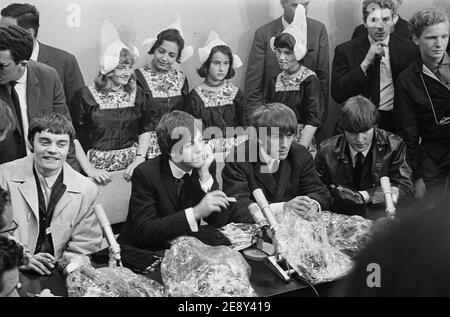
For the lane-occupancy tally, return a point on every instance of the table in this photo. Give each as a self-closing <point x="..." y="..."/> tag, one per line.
<point x="265" y="282"/>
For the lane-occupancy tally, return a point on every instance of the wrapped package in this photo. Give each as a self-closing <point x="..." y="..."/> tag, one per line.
<point x="304" y="244"/>
<point x="193" y="269"/>
<point x="82" y="280"/>
<point x="348" y="234"/>
<point x="240" y="234"/>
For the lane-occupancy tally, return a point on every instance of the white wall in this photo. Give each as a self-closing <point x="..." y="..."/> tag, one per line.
<point x="235" y="21"/>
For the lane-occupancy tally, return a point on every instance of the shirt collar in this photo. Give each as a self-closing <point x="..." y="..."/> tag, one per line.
<point x="23" y="79"/>
<point x="177" y="172"/>
<point x="35" y="54"/>
<point x="353" y="152"/>
<point x="432" y="68"/>
<point x="272" y="164"/>
<point x="284" y="22"/>
<point x="49" y="181"/>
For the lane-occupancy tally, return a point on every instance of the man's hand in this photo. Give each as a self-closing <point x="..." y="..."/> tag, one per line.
<point x="41" y="263"/>
<point x="101" y="177"/>
<point x="374" y="50"/>
<point x="209" y="158"/>
<point x="301" y="205"/>
<point x="130" y="169"/>
<point x="347" y="194"/>
<point x="420" y="189"/>
<point x="211" y="202"/>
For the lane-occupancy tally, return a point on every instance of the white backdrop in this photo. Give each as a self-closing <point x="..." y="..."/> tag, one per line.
<point x="75" y="25"/>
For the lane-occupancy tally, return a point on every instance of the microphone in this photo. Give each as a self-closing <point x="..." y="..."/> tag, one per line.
<point x="109" y="235"/>
<point x="386" y="186"/>
<point x="265" y="207"/>
<point x="258" y="216"/>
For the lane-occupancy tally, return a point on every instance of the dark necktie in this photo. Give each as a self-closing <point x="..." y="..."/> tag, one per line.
<point x="375" y="81"/>
<point x="180" y="183"/>
<point x="357" y="170"/>
<point x="16" y="104"/>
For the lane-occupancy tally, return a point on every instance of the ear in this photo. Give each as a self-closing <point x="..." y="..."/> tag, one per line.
<point x="416" y="39"/>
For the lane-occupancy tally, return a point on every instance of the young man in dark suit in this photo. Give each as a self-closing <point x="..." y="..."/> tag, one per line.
<point x="174" y="191"/>
<point x="27" y="16"/>
<point x="370" y="65"/>
<point x="30" y="89"/>
<point x="351" y="164"/>
<point x="272" y="162"/>
<point x="402" y="27"/>
<point x="262" y="62"/>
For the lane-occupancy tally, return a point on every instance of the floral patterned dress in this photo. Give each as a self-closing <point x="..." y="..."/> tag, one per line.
<point x="303" y="95"/>
<point x="108" y="125"/>
<point x="165" y="91"/>
<point x="219" y="109"/>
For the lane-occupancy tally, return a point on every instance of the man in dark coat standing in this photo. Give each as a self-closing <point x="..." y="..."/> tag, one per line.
<point x="370" y="65"/>
<point x="27" y="16"/>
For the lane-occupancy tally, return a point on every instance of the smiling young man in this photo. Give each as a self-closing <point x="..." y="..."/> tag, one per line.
<point x="351" y="164"/>
<point x="370" y="65"/>
<point x="423" y="103"/>
<point x="283" y="169"/>
<point x="51" y="203"/>
<point x="174" y="191"/>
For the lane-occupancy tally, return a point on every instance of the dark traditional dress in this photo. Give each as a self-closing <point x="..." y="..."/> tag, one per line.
<point x="165" y="91"/>
<point x="108" y="125"/>
<point x="302" y="94"/>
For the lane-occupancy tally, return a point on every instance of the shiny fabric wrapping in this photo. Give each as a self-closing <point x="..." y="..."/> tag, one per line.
<point x="193" y="269"/>
<point x="304" y="244"/>
<point x="348" y="234"/>
<point x="83" y="280"/>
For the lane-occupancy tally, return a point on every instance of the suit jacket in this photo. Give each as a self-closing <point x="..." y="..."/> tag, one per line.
<point x="402" y="29"/>
<point x="348" y="78"/>
<point x="388" y="152"/>
<point x="74" y="227"/>
<point x="156" y="215"/>
<point x="67" y="67"/>
<point x="45" y="95"/>
<point x="263" y="64"/>
<point x="296" y="176"/>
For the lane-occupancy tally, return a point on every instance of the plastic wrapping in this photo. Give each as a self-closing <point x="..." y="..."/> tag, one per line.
<point x="193" y="269"/>
<point x="304" y="244"/>
<point x="240" y="234"/>
<point x="82" y="280"/>
<point x="348" y="234"/>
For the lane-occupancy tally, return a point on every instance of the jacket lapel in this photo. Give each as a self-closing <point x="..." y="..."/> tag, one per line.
<point x="72" y="188"/>
<point x="283" y="180"/>
<point x="43" y="54"/>
<point x="394" y="50"/>
<point x="28" y="190"/>
<point x="33" y="94"/>
<point x="169" y="182"/>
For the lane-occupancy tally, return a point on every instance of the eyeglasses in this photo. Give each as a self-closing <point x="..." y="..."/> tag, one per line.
<point x="13" y="227"/>
<point x="444" y="120"/>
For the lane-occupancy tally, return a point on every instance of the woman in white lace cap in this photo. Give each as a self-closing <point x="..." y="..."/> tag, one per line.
<point x="297" y="86"/>
<point x="165" y="87"/>
<point x="108" y="115"/>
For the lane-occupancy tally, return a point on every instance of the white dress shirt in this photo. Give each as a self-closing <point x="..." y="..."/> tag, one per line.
<point x="178" y="173"/>
<point x="35" y="54"/>
<point x="386" y="80"/>
<point x="47" y="184"/>
<point x="21" y="90"/>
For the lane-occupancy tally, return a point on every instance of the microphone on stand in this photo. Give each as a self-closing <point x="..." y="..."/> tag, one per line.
<point x="265" y="207"/>
<point x="387" y="190"/>
<point x="114" y="247"/>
